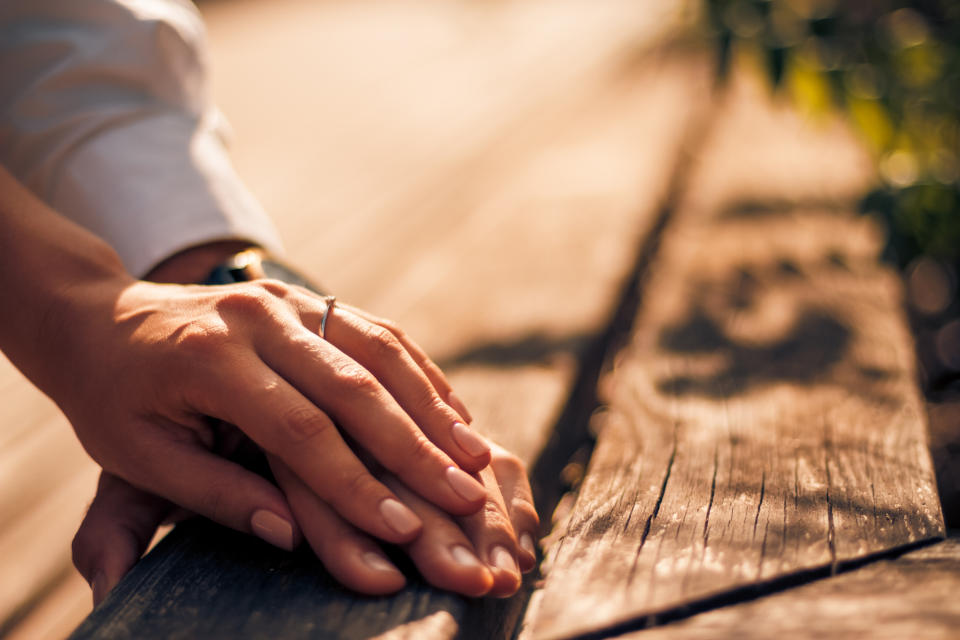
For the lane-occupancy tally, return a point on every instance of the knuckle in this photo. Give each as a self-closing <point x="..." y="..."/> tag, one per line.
<point x="521" y="508"/>
<point x="384" y="343"/>
<point x="505" y="462"/>
<point x="495" y="520"/>
<point x="361" y="485"/>
<point x="300" y="424"/>
<point x="275" y="288"/>
<point x="421" y="451"/>
<point x="203" y="337"/>
<point x="210" y="501"/>
<point x="247" y="299"/>
<point x="392" y="327"/>
<point x="351" y="376"/>
<point x="428" y="402"/>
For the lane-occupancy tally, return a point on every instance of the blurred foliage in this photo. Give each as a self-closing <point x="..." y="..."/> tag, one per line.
<point x="894" y="69"/>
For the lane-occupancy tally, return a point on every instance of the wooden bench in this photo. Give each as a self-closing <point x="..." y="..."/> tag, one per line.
<point x="655" y="291"/>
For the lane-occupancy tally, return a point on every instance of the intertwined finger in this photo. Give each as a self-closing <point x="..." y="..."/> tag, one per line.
<point x="357" y="403"/>
<point x="514" y="486"/>
<point x="493" y="535"/>
<point x="208" y="484"/>
<point x="291" y="427"/>
<point x="353" y="558"/>
<point x="444" y="553"/>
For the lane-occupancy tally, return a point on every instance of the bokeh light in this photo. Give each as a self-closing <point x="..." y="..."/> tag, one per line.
<point x="894" y="69"/>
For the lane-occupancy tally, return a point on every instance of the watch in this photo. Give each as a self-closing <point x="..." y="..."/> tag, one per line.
<point x="253" y="264"/>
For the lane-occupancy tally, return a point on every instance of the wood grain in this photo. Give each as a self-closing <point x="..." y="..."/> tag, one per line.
<point x="516" y="401"/>
<point x="912" y="596"/>
<point x="765" y="418"/>
<point x="506" y="268"/>
<point x="380" y="137"/>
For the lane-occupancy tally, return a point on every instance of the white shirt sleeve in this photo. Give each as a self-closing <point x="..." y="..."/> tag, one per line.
<point x="104" y="113"/>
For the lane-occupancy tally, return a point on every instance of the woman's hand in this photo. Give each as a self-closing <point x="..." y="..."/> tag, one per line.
<point x="167" y="359"/>
<point x="473" y="555"/>
<point x="479" y="554"/>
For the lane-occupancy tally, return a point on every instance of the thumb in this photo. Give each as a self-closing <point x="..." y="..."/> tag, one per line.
<point x="115" y="532"/>
<point x="219" y="489"/>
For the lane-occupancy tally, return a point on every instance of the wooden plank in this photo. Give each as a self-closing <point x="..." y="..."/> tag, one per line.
<point x="764" y="418"/>
<point x="516" y="403"/>
<point x="485" y="253"/>
<point x="912" y="596"/>
<point x="367" y="117"/>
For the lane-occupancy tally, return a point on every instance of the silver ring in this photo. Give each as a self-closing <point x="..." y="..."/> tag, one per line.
<point x="331" y="302"/>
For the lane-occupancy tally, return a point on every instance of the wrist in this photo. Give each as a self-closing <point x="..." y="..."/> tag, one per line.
<point x="194" y="264"/>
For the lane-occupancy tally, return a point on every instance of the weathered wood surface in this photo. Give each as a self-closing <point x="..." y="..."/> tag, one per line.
<point x="390" y="140"/>
<point x="912" y="596"/>
<point x="518" y="253"/>
<point x="764" y="419"/>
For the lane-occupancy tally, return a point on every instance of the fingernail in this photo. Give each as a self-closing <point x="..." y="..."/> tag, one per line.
<point x="503" y="560"/>
<point x="99" y="586"/>
<point x="463" y="556"/>
<point x="399" y="517"/>
<point x="469" y="440"/>
<point x="272" y="528"/>
<point x="526" y="543"/>
<point x="454" y="401"/>
<point x="465" y="486"/>
<point x="377" y="562"/>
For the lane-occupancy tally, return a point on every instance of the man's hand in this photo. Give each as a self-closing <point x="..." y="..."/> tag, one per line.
<point x="168" y="358"/>
<point x="473" y="555"/>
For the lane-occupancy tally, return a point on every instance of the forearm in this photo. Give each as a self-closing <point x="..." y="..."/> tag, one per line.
<point x="47" y="266"/>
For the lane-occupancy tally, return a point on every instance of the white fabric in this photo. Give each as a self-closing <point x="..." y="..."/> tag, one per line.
<point x="104" y="113"/>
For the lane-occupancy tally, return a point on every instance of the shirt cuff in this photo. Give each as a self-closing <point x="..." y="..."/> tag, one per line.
<point x="157" y="185"/>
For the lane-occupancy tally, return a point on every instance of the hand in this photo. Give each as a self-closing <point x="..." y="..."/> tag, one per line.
<point x="166" y="359"/>
<point x="123" y="519"/>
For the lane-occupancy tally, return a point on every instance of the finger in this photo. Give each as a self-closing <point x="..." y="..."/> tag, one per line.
<point x="381" y="353"/>
<point x="358" y="404"/>
<point x="429" y="367"/>
<point x="285" y="423"/>
<point x="514" y="485"/>
<point x="492" y="534"/>
<point x="210" y="485"/>
<point x="351" y="557"/>
<point x="443" y="553"/>
<point x="116" y="530"/>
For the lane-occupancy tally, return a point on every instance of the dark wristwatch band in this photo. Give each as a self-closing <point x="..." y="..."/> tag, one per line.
<point x="253" y="264"/>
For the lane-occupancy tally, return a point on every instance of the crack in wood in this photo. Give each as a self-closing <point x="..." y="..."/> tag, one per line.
<point x="831" y="530"/>
<point x="713" y="492"/>
<point x="796" y="482"/>
<point x="656" y="508"/>
<point x="763" y="489"/>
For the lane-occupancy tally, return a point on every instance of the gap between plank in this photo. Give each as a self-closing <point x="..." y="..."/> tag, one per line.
<point x="571" y="433"/>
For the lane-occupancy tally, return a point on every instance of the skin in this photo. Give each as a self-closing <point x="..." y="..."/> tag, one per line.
<point x="122" y="520"/>
<point x="360" y="427"/>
